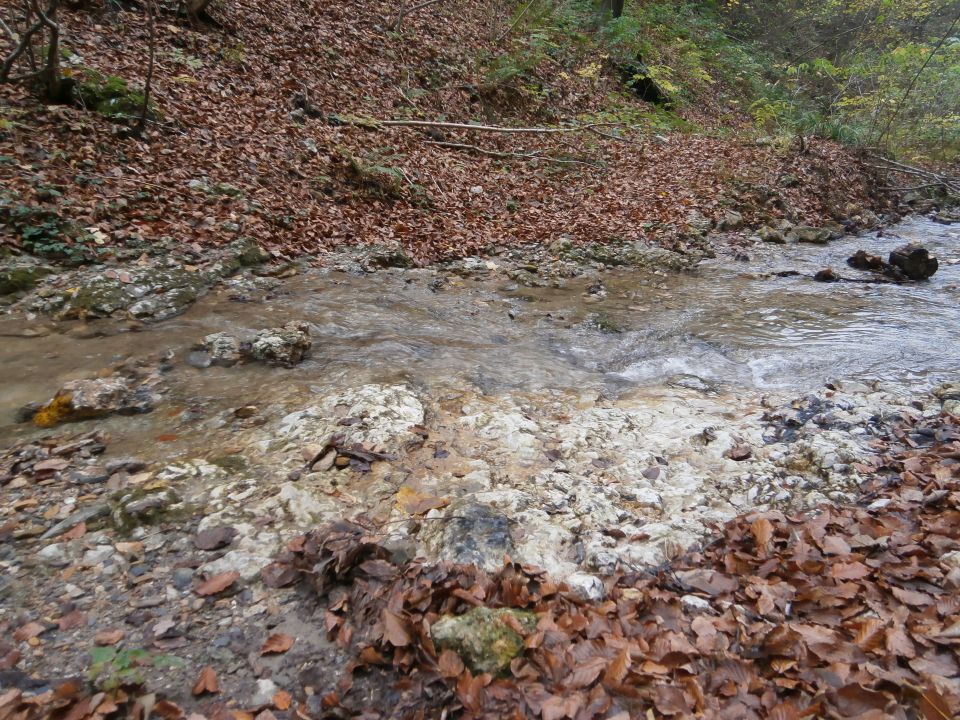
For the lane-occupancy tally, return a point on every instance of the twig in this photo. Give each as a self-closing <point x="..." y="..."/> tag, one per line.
<point x="516" y="22"/>
<point x="404" y="12"/>
<point x="501" y="154"/>
<point x="152" y="26"/>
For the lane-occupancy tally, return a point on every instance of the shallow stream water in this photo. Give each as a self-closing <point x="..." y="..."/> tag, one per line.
<point x="731" y="325"/>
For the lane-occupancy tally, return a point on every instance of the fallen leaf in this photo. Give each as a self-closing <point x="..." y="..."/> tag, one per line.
<point x="395" y="630"/>
<point x="217" y="584"/>
<point x="206" y="682"/>
<point x="282" y="700"/>
<point x="450" y="664"/>
<point x="108" y="637"/>
<point x="277" y="643"/>
<point x="29" y="631"/>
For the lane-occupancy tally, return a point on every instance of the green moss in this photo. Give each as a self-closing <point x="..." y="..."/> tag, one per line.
<point x="230" y="463"/>
<point x="14" y="280"/>
<point x="112" y="97"/>
<point x="482" y="638"/>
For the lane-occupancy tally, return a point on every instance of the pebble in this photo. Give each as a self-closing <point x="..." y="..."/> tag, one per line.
<point x="266" y="689"/>
<point x="97" y="555"/>
<point x="54" y="554"/>
<point x="182" y="578"/>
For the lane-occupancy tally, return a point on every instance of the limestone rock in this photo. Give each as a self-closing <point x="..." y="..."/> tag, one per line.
<point x="383" y="418"/>
<point x="469" y="533"/>
<point x="285" y="345"/>
<point x="223" y="349"/>
<point x="98" y="397"/>
<point x="772" y="235"/>
<point x="482" y="639"/>
<point x="807" y="234"/>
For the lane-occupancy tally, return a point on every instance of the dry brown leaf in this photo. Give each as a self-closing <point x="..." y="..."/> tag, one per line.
<point x="282" y="700"/>
<point x="450" y="664"/>
<point x="206" y="682"/>
<point x="276" y="644"/>
<point x="394" y="629"/>
<point x="108" y="637"/>
<point x="217" y="583"/>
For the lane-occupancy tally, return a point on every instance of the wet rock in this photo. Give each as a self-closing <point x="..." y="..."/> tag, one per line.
<point x="772" y="235"/>
<point x="914" y="261"/>
<point x="222" y="349"/>
<point x="730" y="222"/>
<point x="947" y="391"/>
<point x="951" y="407"/>
<point x="482" y="638"/>
<point x="862" y="260"/>
<point x="808" y="234"/>
<point x="638" y="255"/>
<point x="98" y="397"/>
<point x="285" y="345"/>
<point x="469" y="533"/>
<point x="827" y="275"/>
<point x="388" y="256"/>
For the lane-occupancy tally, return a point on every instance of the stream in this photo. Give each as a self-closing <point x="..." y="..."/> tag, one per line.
<point x="613" y="399"/>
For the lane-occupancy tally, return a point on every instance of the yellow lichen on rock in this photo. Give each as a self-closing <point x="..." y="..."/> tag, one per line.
<point x="55" y="412"/>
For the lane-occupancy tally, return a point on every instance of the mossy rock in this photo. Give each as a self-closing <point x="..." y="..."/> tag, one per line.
<point x="20" y="279"/>
<point x="634" y="255"/>
<point x="249" y="252"/>
<point x="112" y="97"/>
<point x="483" y="639"/>
<point x="146" y="505"/>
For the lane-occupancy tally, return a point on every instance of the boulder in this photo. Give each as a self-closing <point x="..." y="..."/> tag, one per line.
<point x="914" y="261"/>
<point x="772" y="235"/>
<point x="808" y="234"/>
<point x="731" y="221"/>
<point x="484" y="638"/>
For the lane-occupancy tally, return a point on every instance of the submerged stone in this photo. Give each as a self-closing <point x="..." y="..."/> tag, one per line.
<point x="484" y="638"/>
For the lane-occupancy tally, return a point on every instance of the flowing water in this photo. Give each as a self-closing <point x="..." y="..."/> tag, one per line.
<point x="730" y="326"/>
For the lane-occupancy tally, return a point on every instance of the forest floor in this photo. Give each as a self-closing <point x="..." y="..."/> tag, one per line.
<point x="269" y="138"/>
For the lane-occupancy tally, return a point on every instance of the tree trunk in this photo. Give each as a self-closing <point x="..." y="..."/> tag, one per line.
<point x="611" y="8"/>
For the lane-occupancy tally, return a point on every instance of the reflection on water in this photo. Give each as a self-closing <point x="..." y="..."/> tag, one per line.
<point x="729" y="323"/>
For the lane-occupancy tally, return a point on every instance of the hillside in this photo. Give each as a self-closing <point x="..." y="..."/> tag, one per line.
<point x="264" y="129"/>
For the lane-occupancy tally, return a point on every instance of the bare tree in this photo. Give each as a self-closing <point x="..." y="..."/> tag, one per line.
<point x="43" y="21"/>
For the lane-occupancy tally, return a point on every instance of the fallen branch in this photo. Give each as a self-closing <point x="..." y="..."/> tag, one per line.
<point x="488" y="128"/>
<point x="501" y="154"/>
<point x="404" y="12"/>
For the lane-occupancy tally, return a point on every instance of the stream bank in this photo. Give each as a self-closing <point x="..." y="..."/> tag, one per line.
<point x="588" y="425"/>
